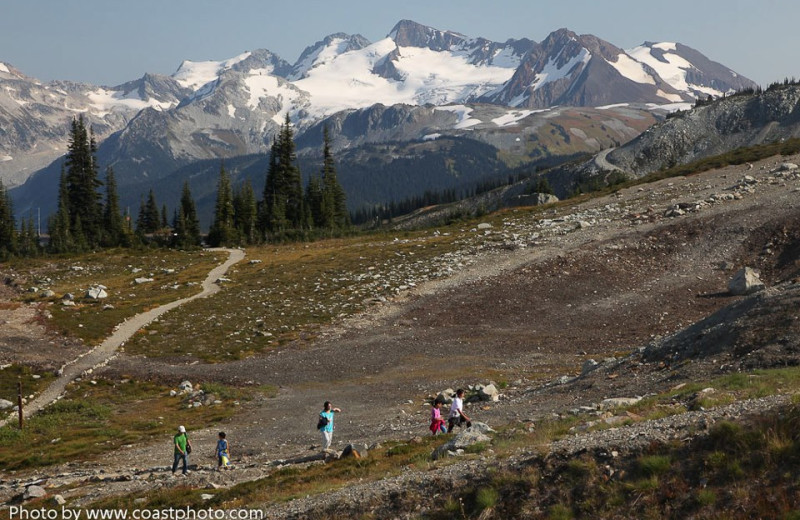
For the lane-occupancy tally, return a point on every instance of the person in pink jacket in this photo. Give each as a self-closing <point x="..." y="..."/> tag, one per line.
<point x="437" y="421"/>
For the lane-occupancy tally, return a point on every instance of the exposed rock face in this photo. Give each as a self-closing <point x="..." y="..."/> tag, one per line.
<point x="743" y="120"/>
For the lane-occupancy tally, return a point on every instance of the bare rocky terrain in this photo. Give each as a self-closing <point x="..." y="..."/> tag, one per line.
<point x="637" y="281"/>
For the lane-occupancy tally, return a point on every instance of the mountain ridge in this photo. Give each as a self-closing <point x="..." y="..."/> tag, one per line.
<point x="222" y="109"/>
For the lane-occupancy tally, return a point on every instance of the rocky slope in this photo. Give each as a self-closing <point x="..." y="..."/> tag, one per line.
<point x="713" y="129"/>
<point x="625" y="280"/>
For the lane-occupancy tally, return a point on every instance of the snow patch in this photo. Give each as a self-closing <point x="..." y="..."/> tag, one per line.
<point x="431" y="137"/>
<point x="3" y="68"/>
<point x="632" y="69"/>
<point x="666" y="46"/>
<point x="674" y="70"/>
<point x="231" y="111"/>
<point x="552" y="72"/>
<point x="427" y="77"/>
<point x="105" y="101"/>
<point x="196" y="74"/>
<point x="675" y="98"/>
<point x="463" y="113"/>
<point x="320" y="56"/>
<point x="506" y="58"/>
<point x="6" y="158"/>
<point x="670" y="107"/>
<point x="514" y="117"/>
<point x="616" y="105"/>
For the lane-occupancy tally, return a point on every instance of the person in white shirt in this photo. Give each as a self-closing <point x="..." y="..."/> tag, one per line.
<point x="457" y="417"/>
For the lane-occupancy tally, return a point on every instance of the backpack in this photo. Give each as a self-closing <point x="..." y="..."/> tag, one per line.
<point x="323" y="422"/>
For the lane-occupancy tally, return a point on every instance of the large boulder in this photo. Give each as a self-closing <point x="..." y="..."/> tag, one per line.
<point x="488" y="393"/>
<point x="463" y="440"/>
<point x="446" y="396"/>
<point x="745" y="281"/>
<point x="96" y="292"/>
<point x="34" y="492"/>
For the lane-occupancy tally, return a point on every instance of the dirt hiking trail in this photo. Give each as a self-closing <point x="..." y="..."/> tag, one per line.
<point x="106" y="351"/>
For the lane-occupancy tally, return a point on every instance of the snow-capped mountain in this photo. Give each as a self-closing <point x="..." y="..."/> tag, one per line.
<point x="35" y="117"/>
<point x="416" y="84"/>
<point x="583" y="70"/>
<point x="219" y="108"/>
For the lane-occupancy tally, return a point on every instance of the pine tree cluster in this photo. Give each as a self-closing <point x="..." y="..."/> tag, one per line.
<point x="285" y="211"/>
<point x="84" y="221"/>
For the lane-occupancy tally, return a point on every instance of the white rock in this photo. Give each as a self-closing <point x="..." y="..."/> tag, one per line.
<point x="96" y="293"/>
<point x="34" y="492"/>
<point x="745" y="281"/>
<point x="616" y="402"/>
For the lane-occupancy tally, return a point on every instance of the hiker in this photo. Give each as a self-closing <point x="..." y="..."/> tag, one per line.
<point x="437" y="422"/>
<point x="223" y="453"/>
<point x="183" y="447"/>
<point x="457" y="417"/>
<point x="325" y="424"/>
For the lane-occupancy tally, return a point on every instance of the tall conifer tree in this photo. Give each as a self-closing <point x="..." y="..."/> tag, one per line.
<point x="245" y="213"/>
<point x="8" y="232"/>
<point x="61" y="240"/>
<point x="192" y="225"/>
<point x="283" y="191"/>
<point x="82" y="185"/>
<point x="334" y="200"/>
<point x="113" y="224"/>
<point x="222" y="231"/>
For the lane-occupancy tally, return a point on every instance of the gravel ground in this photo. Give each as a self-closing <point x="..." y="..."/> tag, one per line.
<point x="533" y="301"/>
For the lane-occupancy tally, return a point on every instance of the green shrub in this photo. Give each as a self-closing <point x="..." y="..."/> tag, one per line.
<point x="654" y="465"/>
<point x="706" y="497"/>
<point x="559" y="512"/>
<point x="486" y="498"/>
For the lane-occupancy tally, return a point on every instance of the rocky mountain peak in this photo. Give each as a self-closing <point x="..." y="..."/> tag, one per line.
<point x="9" y="72"/>
<point x="341" y="43"/>
<point x="408" y="33"/>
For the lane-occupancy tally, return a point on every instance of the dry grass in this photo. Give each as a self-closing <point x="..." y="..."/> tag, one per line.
<point x="289" y="291"/>
<point x="175" y="274"/>
<point x="99" y="416"/>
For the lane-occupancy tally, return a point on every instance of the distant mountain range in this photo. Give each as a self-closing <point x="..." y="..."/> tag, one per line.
<point x="419" y="84"/>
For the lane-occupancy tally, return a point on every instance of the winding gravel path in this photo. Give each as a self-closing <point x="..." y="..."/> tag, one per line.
<point x="104" y="352"/>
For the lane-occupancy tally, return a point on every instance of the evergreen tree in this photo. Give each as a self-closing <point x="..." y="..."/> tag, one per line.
<point x="179" y="238"/>
<point x="61" y="240"/>
<point x="152" y="217"/>
<point x="164" y="222"/>
<point x="8" y="233"/>
<point x="315" y="202"/>
<point x="28" y="241"/>
<point x="82" y="184"/>
<point x="245" y="213"/>
<point x="292" y="180"/>
<point x="334" y="200"/>
<point x="223" y="231"/>
<point x="114" y="233"/>
<point x="283" y="191"/>
<point x="273" y="209"/>
<point x="191" y="233"/>
<point x="80" y="242"/>
<point x="543" y="186"/>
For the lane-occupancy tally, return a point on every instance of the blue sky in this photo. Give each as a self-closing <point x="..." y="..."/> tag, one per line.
<point x="109" y="42"/>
